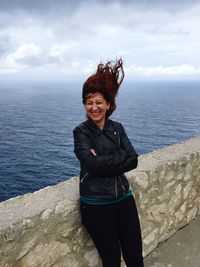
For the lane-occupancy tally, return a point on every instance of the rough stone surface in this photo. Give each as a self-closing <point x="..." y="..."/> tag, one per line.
<point x="43" y="228"/>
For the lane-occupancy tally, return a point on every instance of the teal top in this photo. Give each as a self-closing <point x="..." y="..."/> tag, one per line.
<point x="99" y="201"/>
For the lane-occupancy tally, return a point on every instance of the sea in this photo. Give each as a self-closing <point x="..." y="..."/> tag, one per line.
<point x="37" y="120"/>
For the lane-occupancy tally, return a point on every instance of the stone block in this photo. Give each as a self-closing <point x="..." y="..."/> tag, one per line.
<point x="142" y="180"/>
<point x="44" y="255"/>
<point x="92" y="258"/>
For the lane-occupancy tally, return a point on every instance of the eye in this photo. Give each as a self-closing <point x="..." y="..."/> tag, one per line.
<point x="88" y="103"/>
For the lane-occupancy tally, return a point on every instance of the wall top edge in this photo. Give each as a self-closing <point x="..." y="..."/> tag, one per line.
<point x="166" y="154"/>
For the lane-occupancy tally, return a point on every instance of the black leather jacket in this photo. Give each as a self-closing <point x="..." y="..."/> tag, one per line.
<point x="102" y="176"/>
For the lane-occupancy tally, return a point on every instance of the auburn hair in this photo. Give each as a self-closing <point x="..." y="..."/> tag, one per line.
<point x="106" y="80"/>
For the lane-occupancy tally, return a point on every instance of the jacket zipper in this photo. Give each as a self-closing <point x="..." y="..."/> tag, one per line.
<point x="84" y="176"/>
<point x="122" y="185"/>
<point x="119" y="142"/>
<point x="116" y="187"/>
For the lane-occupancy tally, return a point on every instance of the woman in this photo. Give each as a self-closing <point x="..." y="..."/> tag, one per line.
<point x="107" y="205"/>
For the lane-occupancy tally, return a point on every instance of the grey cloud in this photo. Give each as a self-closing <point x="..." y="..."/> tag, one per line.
<point x="61" y="7"/>
<point x="59" y="14"/>
<point x="38" y="6"/>
<point x="31" y="61"/>
<point x="16" y="12"/>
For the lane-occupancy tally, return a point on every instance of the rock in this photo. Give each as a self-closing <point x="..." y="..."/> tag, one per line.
<point x="187" y="190"/>
<point x="191" y="214"/>
<point x="150" y="238"/>
<point x="142" y="180"/>
<point x="72" y="259"/>
<point x="46" y="214"/>
<point x="26" y="248"/>
<point x="92" y="258"/>
<point x="44" y="255"/>
<point x="155" y="213"/>
<point x="28" y="224"/>
<point x="178" y="190"/>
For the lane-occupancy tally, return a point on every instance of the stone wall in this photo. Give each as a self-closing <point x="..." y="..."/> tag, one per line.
<point x="43" y="229"/>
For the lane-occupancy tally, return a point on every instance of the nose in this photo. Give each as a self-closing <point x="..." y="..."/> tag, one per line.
<point x="94" y="107"/>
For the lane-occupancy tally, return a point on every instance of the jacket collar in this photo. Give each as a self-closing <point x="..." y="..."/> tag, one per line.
<point x="95" y="129"/>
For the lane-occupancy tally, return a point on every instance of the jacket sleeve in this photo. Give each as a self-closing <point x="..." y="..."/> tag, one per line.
<point x="132" y="161"/>
<point x="100" y="165"/>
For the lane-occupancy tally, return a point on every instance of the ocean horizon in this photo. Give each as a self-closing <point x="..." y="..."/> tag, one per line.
<point x="37" y="120"/>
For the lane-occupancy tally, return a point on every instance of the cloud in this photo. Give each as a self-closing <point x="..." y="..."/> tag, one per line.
<point x="27" y="54"/>
<point x="62" y="52"/>
<point x="41" y="7"/>
<point x="47" y="6"/>
<point x="71" y="37"/>
<point x="4" y="44"/>
<point x="162" y="71"/>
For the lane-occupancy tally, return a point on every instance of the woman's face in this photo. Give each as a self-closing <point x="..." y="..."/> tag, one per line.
<point x="96" y="107"/>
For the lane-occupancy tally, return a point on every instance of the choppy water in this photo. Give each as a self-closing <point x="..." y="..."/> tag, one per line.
<point x="37" y="119"/>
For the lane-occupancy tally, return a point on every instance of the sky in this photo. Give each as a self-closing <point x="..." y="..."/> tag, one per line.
<point x="64" y="39"/>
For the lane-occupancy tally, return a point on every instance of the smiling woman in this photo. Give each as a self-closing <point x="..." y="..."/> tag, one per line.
<point x="107" y="205"/>
<point x="96" y="108"/>
<point x="105" y="81"/>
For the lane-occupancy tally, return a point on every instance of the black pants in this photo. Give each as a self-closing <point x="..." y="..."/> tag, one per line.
<point x="115" y="228"/>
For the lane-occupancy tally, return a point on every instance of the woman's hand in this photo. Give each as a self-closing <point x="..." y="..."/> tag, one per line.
<point x="93" y="152"/>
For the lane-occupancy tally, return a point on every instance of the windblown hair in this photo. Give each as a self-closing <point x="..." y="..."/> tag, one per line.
<point x="106" y="80"/>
